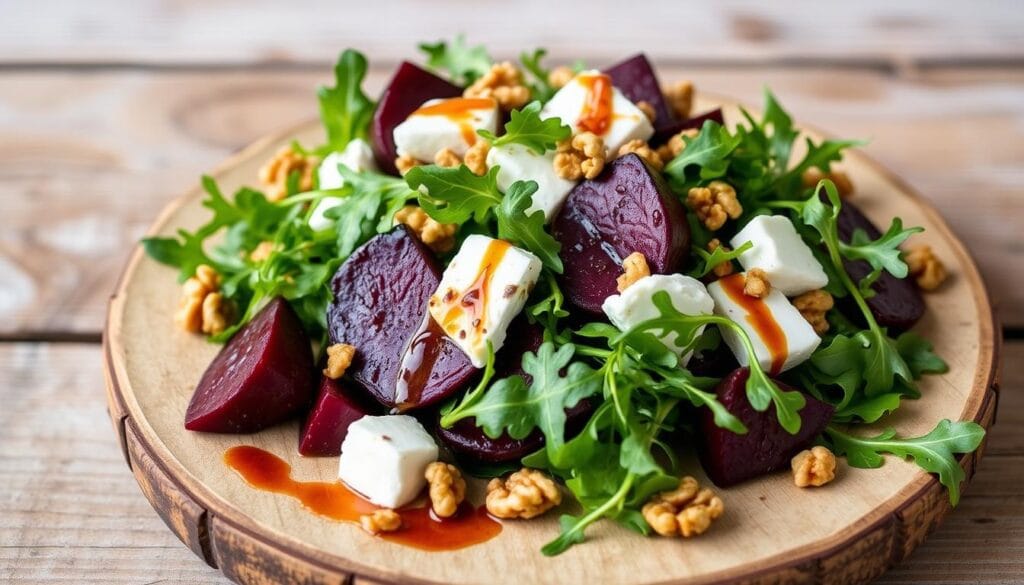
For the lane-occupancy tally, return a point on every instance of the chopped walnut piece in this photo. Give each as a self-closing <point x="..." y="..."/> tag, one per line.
<point x="524" y="494"/>
<point x="641" y="149"/>
<point x="190" y="313"/>
<point x="476" y="157"/>
<point x="261" y="252"/>
<point x="504" y="83"/>
<point x="383" y="520"/>
<point x="756" y="284"/>
<point x="216" y="314"/>
<point x="842" y="181"/>
<point x="439" y="237"/>
<point x="675" y="145"/>
<point x="208" y="277"/>
<point x="634" y="268"/>
<point x="202" y="307"/>
<point x="928" y="271"/>
<point x="685" y="511"/>
<point x="814" y="467"/>
<point x="714" y="204"/>
<point x="813" y="305"/>
<point x="680" y="98"/>
<point x="647" y="109"/>
<point x="447" y="158"/>
<point x="725" y="268"/>
<point x="274" y="174"/>
<point x="559" y="76"/>
<point x="339" y="358"/>
<point x="405" y="163"/>
<point x="580" y="156"/>
<point x="447" y="488"/>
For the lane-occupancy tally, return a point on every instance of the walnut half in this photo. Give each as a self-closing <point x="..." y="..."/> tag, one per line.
<point x="525" y="494"/>
<point x="685" y="511"/>
<point x="447" y="488"/>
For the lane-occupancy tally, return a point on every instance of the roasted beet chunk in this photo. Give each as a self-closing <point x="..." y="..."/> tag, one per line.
<point x="628" y="208"/>
<point x="897" y="302"/>
<point x="407" y="90"/>
<point x="263" y="376"/>
<point x="729" y="458"/>
<point x="380" y="305"/>
<point x="663" y="133"/>
<point x="636" y="79"/>
<point x="335" y="409"/>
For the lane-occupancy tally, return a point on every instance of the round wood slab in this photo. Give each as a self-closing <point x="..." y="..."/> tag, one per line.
<point x="847" y="532"/>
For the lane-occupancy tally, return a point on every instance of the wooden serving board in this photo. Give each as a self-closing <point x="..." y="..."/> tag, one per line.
<point x="847" y="532"/>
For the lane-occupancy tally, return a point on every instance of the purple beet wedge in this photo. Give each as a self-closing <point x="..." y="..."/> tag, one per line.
<point x="729" y="458"/>
<point x="897" y="303"/>
<point x="628" y="208"/>
<point x="380" y="307"/>
<point x="636" y="79"/>
<point x="264" y="375"/>
<point x="522" y="337"/>
<point x="662" y="134"/>
<point x="407" y="90"/>
<point x="335" y="409"/>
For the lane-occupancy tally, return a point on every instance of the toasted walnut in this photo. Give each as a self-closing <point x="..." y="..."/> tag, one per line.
<point x="813" y="305"/>
<point x="634" y="268"/>
<point x="476" y="157"/>
<point x="447" y="488"/>
<point x="261" y="252"/>
<point x="202" y="308"/>
<point x="755" y="283"/>
<point x="504" y="83"/>
<point x="647" y="109"/>
<point x="686" y="511"/>
<point x="439" y="237"/>
<point x="675" y="145"/>
<point x="208" y="277"/>
<point x="814" y="467"/>
<point x="842" y="181"/>
<point x="580" y="156"/>
<point x="559" y="76"/>
<point x="714" y="204"/>
<point x="339" y="358"/>
<point x="524" y="494"/>
<point x="641" y="149"/>
<point x="405" y="163"/>
<point x="274" y="174"/>
<point x="383" y="520"/>
<point x="216" y="314"/>
<point x="725" y="268"/>
<point x="447" y="158"/>
<point x="928" y="271"/>
<point x="680" y="98"/>
<point x="190" y="314"/>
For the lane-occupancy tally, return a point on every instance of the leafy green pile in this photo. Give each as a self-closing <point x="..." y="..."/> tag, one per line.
<point x="638" y="392"/>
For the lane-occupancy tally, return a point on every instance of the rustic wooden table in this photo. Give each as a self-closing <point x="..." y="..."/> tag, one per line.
<point x="110" y="109"/>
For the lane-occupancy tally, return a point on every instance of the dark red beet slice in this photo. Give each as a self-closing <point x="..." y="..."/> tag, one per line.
<point x="628" y="208"/>
<point x="327" y="423"/>
<point x="380" y="301"/>
<point x="636" y="79"/>
<point x="729" y="458"/>
<point x="522" y="337"/>
<point x="663" y="133"/>
<point x="897" y="302"/>
<point x="263" y="376"/>
<point x="407" y="90"/>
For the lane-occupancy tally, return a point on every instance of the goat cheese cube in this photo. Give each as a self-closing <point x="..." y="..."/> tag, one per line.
<point x="519" y="163"/>
<point x="590" y="103"/>
<point x="780" y="251"/>
<point x="781" y="337"/>
<point x="358" y="156"/>
<point x="445" y="123"/>
<point x="384" y="458"/>
<point x="481" y="291"/>
<point x="636" y="305"/>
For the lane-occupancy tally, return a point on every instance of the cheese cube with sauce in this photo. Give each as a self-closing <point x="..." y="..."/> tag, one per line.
<point x="358" y="156"/>
<point x="483" y="288"/>
<point x="781" y="337"/>
<point x="445" y="123"/>
<point x="384" y="459"/>
<point x="590" y="103"/>
<point x="519" y="163"/>
<point x="783" y="255"/>
<point x="636" y="305"/>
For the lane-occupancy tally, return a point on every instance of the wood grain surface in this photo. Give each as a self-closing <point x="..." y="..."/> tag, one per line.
<point x="108" y="109"/>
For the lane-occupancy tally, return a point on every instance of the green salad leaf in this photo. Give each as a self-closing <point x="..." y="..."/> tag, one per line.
<point x="455" y="195"/>
<point x="345" y="111"/>
<point x="527" y="231"/>
<point x="463" y="63"/>
<point x="526" y="127"/>
<point x="711" y="260"/>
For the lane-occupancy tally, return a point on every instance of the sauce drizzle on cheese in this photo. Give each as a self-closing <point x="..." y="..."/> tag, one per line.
<point x="761" y="319"/>
<point x="460" y="111"/>
<point x="418" y="362"/>
<point x="596" y="115"/>
<point x="456" y="309"/>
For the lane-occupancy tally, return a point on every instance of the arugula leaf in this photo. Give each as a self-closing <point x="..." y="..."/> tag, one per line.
<point x="934" y="452"/>
<point x="527" y="230"/>
<point x="710" y="260"/>
<point x="345" y="111"/>
<point x="540" y="87"/>
<point x="883" y="253"/>
<point x="527" y="128"/>
<point x="454" y="195"/>
<point x="463" y="63"/>
<point x="917" y="352"/>
<point x="708" y="152"/>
